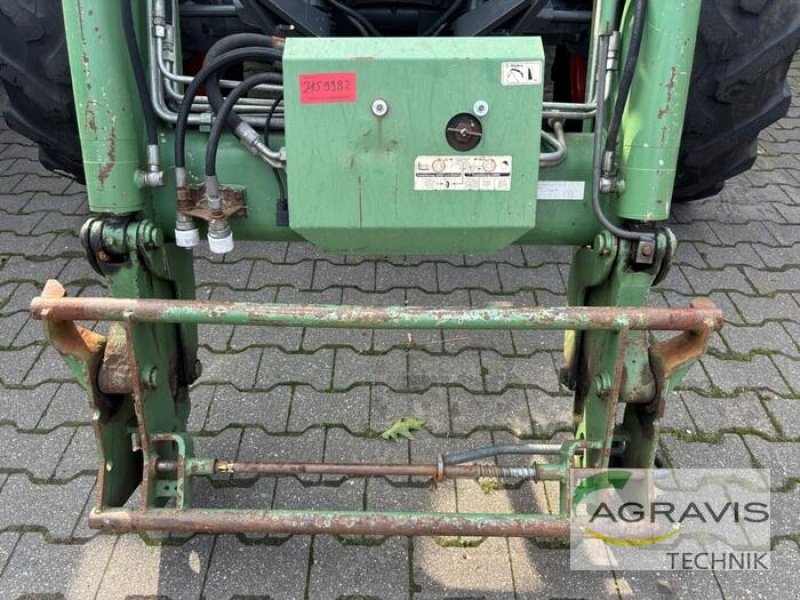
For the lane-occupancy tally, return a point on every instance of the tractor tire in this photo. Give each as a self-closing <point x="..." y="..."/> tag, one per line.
<point x="34" y="71"/>
<point x="744" y="49"/>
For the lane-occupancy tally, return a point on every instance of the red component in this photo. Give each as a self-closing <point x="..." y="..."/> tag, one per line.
<point x="577" y="77"/>
<point x="326" y="88"/>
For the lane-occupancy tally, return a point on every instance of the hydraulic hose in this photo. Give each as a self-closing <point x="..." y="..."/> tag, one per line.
<point x="597" y="161"/>
<point x="443" y="19"/>
<point x="226" y="44"/>
<point x="358" y="20"/>
<point x="227" y="107"/>
<point x="139" y="77"/>
<point x="626" y="78"/>
<point x="262" y="55"/>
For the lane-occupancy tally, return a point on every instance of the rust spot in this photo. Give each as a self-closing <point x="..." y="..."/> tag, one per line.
<point x="105" y="170"/>
<point x="669" y="86"/>
<point x="89" y="115"/>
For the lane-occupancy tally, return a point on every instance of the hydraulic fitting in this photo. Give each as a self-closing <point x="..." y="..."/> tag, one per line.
<point x="186" y="233"/>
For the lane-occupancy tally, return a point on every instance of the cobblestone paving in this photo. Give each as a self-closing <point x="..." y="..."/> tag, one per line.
<point x="321" y="394"/>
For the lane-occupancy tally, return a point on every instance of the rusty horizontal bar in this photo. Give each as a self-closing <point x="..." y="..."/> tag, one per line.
<point x="288" y="522"/>
<point x="703" y="316"/>
<point x="276" y="469"/>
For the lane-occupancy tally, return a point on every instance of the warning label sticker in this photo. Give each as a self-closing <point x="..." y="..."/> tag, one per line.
<point x="521" y="73"/>
<point x="462" y="173"/>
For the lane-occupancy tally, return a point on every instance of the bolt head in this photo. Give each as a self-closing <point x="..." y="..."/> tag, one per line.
<point x="379" y="107"/>
<point x="480" y="108"/>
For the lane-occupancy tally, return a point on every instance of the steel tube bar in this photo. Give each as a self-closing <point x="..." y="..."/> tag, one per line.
<point x="335" y="523"/>
<point x="582" y="318"/>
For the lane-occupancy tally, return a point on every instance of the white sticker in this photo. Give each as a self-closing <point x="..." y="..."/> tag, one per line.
<point x="561" y="190"/>
<point x="462" y="173"/>
<point x="521" y="73"/>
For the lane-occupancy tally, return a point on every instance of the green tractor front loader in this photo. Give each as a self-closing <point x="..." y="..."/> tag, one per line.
<point x="378" y="127"/>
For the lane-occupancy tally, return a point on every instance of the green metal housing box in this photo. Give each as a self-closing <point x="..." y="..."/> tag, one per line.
<point x="370" y="168"/>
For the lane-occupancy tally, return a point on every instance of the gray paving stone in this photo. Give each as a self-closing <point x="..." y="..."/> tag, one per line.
<point x="53" y="508"/>
<point x="417" y="495"/>
<point x="784" y="513"/>
<point x="69" y="406"/>
<point x="743" y="411"/>
<point x="482" y="277"/>
<point x="239" y="493"/>
<point x="239" y="569"/>
<point x="456" y="572"/>
<point x="70" y="571"/>
<point x="547" y="277"/>
<point x="765" y="585"/>
<point x="691" y="254"/>
<point x="345" y="570"/>
<point x="139" y="570"/>
<point x="779" y="257"/>
<point x="311" y="407"/>
<point x="259" y="446"/>
<point x="482" y="298"/>
<point x="213" y="270"/>
<point x="786" y="234"/>
<point x="37" y="183"/>
<point x="7" y="542"/>
<point x="541" y="573"/>
<point x="426" y="448"/>
<point x="361" y="276"/>
<point x="768" y="282"/>
<point x="239" y="369"/>
<point x="537" y="371"/>
<point x="49" y="366"/>
<point x="19" y="268"/>
<point x="781" y="458"/>
<point x="755" y="373"/>
<point x="790" y="369"/>
<point x="80" y="457"/>
<point x="353" y="367"/>
<point x="201" y="396"/>
<point x="501" y="341"/>
<point x="24" y="407"/>
<point x="426" y="370"/>
<point x="429" y="340"/>
<point x="35" y="453"/>
<point x="721" y="256"/>
<point x="278" y="367"/>
<point x="327" y="494"/>
<point x="65" y="204"/>
<point x="230" y="406"/>
<point x="359" y="340"/>
<point x="549" y="412"/>
<point x="786" y="412"/>
<point x="705" y="281"/>
<point x="546" y="255"/>
<point x="19" y="223"/>
<point x="659" y="585"/>
<point x="224" y="444"/>
<point x="303" y="251"/>
<point x="268" y="274"/>
<point x="728" y="453"/>
<point x="508" y="410"/>
<point x="731" y="234"/>
<point x="341" y="446"/>
<point x="422" y="276"/>
<point x="770" y="337"/>
<point x="430" y="406"/>
<point x="757" y="309"/>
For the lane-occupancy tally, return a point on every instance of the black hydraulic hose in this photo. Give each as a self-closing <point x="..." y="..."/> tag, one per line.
<point x="597" y="162"/>
<point x="626" y="79"/>
<point x="261" y="55"/>
<point x="355" y="16"/>
<point x="441" y="22"/>
<point x="139" y="77"/>
<point x="227" y="107"/>
<point x="226" y="44"/>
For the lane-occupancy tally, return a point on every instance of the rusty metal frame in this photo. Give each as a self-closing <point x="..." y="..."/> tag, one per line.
<point x="171" y="471"/>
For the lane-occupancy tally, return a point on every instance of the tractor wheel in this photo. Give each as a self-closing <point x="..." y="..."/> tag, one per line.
<point x="34" y="71"/>
<point x="744" y="49"/>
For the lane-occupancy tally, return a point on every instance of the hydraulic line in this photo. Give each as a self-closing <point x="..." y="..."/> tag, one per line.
<point x="139" y="77"/>
<point x="225" y="110"/>
<point x="356" y="18"/>
<point x="443" y="19"/>
<point x="226" y="44"/>
<point x="626" y="79"/>
<point x="262" y="55"/>
<point x="597" y="161"/>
